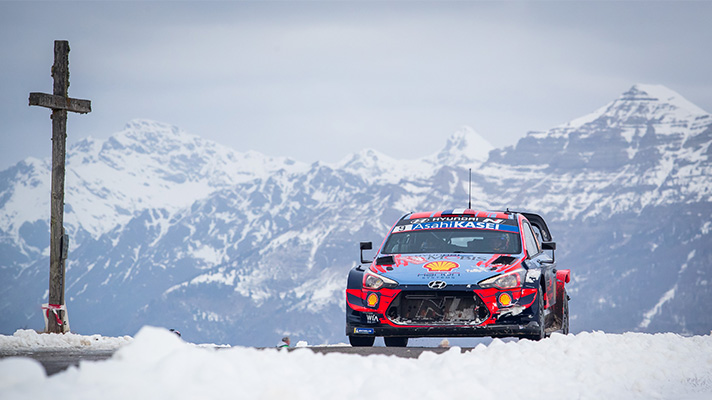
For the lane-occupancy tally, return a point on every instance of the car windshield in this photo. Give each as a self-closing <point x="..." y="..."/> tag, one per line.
<point x="453" y="241"/>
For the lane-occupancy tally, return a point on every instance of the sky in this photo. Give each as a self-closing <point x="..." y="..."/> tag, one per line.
<point x="317" y="81"/>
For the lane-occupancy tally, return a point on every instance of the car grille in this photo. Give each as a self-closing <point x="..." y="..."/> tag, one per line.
<point x="437" y="308"/>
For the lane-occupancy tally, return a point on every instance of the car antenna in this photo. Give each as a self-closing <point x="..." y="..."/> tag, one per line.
<point x="469" y="193"/>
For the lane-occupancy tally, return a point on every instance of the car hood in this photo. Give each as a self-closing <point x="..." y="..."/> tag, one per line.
<point x="459" y="269"/>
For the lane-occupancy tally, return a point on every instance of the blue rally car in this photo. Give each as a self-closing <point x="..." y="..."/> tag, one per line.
<point x="459" y="273"/>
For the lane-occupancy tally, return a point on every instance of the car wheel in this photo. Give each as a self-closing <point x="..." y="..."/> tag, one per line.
<point x="396" y="341"/>
<point x="565" y="317"/>
<point x="541" y="334"/>
<point x="362" y="341"/>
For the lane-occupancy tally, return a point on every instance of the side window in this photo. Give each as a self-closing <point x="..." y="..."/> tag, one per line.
<point x="537" y="234"/>
<point x="531" y="242"/>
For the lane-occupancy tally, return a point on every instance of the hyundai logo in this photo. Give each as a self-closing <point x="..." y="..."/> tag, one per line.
<point x="437" y="284"/>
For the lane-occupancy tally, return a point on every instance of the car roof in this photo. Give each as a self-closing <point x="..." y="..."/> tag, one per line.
<point x="535" y="219"/>
<point x="461" y="212"/>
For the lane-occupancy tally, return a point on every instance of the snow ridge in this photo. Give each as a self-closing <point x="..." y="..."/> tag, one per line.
<point x="587" y="365"/>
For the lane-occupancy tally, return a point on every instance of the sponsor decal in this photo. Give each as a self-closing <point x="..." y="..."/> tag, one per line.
<point x="505" y="299"/>
<point x="470" y="257"/>
<point x="449" y="224"/>
<point x="439" y="275"/>
<point x="372" y="300"/>
<point x="405" y="260"/>
<point x="490" y="218"/>
<point x="364" y="331"/>
<point x="459" y="257"/>
<point x="476" y="269"/>
<point x="441" y="266"/>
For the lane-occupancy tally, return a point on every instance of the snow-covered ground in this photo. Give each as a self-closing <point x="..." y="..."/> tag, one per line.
<point x="24" y="339"/>
<point x="156" y="364"/>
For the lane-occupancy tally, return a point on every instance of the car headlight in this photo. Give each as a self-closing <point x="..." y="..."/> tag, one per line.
<point x="373" y="281"/>
<point x="507" y="281"/>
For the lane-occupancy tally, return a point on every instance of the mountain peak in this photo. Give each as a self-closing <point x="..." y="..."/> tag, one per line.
<point x="145" y="135"/>
<point x="629" y="130"/>
<point x="464" y="146"/>
<point x="643" y="102"/>
<point x="147" y="125"/>
<point x="660" y="93"/>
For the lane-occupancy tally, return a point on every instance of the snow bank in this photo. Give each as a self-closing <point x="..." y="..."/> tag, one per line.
<point x="27" y="338"/>
<point x="159" y="365"/>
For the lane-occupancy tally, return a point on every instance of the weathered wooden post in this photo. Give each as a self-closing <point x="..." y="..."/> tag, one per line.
<point x="59" y="102"/>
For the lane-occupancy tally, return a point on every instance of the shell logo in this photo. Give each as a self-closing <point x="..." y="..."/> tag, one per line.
<point x="441" y="266"/>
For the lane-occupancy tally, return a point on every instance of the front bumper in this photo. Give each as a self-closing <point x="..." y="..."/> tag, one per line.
<point x="516" y="320"/>
<point x="495" y="330"/>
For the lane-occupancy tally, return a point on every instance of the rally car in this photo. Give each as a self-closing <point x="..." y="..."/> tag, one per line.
<point x="458" y="273"/>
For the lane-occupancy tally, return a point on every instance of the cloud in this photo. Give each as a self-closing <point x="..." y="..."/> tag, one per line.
<point x="319" y="80"/>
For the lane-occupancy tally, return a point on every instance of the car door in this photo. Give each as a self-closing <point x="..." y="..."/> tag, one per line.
<point x="542" y="261"/>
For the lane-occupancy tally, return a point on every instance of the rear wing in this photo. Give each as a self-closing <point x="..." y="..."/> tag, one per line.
<point x="537" y="221"/>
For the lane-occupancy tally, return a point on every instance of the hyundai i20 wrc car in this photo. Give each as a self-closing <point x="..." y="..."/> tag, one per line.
<point x="459" y="273"/>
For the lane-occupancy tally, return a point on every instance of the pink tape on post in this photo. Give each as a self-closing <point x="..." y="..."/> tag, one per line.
<point x="54" y="308"/>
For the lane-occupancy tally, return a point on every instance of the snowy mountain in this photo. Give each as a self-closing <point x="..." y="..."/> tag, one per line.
<point x="173" y="230"/>
<point x="148" y="165"/>
<point x="629" y="185"/>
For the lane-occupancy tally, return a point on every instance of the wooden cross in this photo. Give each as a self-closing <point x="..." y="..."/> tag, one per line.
<point x="59" y="102"/>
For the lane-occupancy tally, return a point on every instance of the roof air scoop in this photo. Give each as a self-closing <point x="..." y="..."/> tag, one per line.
<point x="503" y="260"/>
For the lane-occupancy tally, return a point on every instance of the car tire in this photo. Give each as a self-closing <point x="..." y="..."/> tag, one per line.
<point x="362" y="341"/>
<point x="396" y="341"/>
<point x="541" y="334"/>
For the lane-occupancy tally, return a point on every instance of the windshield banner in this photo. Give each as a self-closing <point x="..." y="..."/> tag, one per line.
<point x="494" y="225"/>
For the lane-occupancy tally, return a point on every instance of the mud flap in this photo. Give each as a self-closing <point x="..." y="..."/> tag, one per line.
<point x="563" y="276"/>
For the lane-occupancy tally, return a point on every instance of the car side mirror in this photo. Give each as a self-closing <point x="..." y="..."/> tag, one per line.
<point x="549" y="246"/>
<point x="365" y="246"/>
